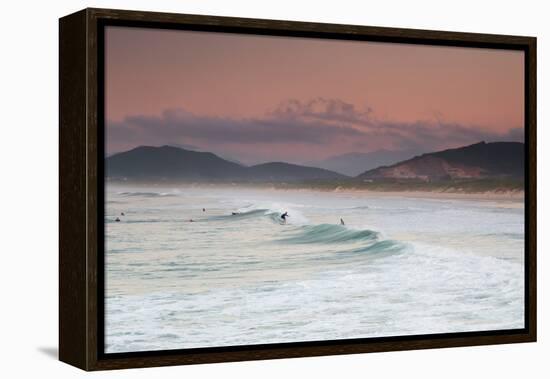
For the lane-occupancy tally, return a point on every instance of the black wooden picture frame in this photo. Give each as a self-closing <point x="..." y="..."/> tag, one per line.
<point x="81" y="152"/>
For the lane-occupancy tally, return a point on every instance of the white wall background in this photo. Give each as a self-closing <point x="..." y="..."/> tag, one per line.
<point x="28" y="200"/>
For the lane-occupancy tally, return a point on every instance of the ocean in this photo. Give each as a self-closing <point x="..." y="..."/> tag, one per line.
<point x="238" y="275"/>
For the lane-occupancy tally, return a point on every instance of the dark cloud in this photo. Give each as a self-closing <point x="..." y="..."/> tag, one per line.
<point x="316" y="123"/>
<point x="415" y="134"/>
<point x="179" y="123"/>
<point x="321" y="109"/>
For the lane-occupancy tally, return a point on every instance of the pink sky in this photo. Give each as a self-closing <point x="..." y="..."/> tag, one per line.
<point x="260" y="98"/>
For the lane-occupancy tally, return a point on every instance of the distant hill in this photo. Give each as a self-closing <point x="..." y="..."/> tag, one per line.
<point x="353" y="164"/>
<point x="186" y="146"/>
<point x="196" y="148"/>
<point x="172" y="163"/>
<point x="281" y="171"/>
<point x="481" y="160"/>
<point x="148" y="162"/>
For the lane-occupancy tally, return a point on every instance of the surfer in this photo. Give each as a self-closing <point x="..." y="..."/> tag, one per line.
<point x="284" y="216"/>
<point x="234" y="213"/>
<point x="122" y="213"/>
<point x="191" y="220"/>
<point x="117" y="220"/>
<point x="342" y="222"/>
<point x="204" y="210"/>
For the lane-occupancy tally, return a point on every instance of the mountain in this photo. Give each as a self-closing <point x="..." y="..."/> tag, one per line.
<point x="480" y="160"/>
<point x="281" y="171"/>
<point x="186" y="146"/>
<point x="353" y="164"/>
<point x="198" y="149"/>
<point x="147" y="162"/>
<point x="173" y="163"/>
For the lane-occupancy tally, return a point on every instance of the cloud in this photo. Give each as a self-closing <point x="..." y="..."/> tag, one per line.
<point x="416" y="134"/>
<point x="179" y="123"/>
<point x="321" y="109"/>
<point x="316" y="123"/>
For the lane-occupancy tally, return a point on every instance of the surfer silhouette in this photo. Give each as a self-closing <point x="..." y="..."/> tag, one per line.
<point x="342" y="222"/>
<point x="117" y="220"/>
<point x="284" y="216"/>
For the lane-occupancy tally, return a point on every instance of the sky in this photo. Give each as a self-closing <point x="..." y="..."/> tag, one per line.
<point x="256" y="99"/>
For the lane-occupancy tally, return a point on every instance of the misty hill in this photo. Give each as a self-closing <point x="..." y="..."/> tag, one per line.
<point x="353" y="164"/>
<point x="481" y="160"/>
<point x="172" y="163"/>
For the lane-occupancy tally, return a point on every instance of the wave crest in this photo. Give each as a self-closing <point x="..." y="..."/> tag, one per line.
<point x="147" y="194"/>
<point x="330" y="233"/>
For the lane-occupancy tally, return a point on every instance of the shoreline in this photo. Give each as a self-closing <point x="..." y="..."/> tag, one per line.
<point x="456" y="194"/>
<point x="422" y="194"/>
<point x="488" y="195"/>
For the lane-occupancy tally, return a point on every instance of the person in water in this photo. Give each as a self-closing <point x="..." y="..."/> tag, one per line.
<point x="117" y="220"/>
<point x="204" y="210"/>
<point x="122" y="213"/>
<point x="342" y="222"/>
<point x="284" y="216"/>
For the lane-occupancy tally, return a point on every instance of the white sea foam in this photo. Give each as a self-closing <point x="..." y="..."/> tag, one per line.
<point x="399" y="266"/>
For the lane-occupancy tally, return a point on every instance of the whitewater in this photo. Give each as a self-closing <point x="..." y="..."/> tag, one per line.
<point x="178" y="276"/>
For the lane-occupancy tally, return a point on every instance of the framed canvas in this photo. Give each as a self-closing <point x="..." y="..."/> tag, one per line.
<point x="242" y="189"/>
